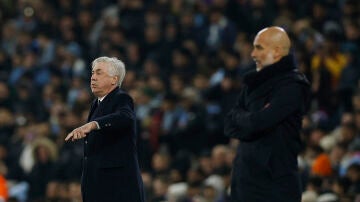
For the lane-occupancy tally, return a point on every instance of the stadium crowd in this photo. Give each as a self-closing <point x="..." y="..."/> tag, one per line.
<point x="185" y="62"/>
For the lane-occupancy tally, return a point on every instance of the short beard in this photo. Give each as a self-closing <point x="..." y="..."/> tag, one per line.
<point x="269" y="60"/>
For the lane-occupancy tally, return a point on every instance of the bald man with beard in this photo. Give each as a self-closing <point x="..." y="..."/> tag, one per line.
<point x="267" y="120"/>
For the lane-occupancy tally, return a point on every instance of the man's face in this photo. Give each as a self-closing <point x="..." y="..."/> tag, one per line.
<point x="263" y="53"/>
<point x="101" y="82"/>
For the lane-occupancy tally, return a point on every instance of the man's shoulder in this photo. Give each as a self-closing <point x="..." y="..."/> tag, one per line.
<point x="123" y="95"/>
<point x="292" y="77"/>
<point x="121" y="92"/>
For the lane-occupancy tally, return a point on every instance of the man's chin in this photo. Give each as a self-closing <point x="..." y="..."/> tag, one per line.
<point x="259" y="68"/>
<point x="95" y="93"/>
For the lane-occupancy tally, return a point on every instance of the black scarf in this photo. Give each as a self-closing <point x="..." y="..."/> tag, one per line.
<point x="283" y="66"/>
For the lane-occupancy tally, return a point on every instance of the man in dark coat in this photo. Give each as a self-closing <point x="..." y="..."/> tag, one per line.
<point x="110" y="170"/>
<point x="267" y="120"/>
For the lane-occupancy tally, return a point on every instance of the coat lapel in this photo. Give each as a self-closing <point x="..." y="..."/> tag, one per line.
<point x="97" y="109"/>
<point x="92" y="109"/>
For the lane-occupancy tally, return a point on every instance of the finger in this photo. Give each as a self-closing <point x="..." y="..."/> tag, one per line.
<point x="83" y="134"/>
<point x="79" y="135"/>
<point x="70" y="135"/>
<point x="76" y="136"/>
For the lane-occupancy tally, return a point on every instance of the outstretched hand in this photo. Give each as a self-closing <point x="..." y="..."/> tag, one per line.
<point x="81" y="132"/>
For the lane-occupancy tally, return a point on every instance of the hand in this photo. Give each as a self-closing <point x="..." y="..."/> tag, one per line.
<point x="81" y="132"/>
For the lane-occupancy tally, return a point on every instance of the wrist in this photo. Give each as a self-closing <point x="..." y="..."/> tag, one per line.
<point x="95" y="125"/>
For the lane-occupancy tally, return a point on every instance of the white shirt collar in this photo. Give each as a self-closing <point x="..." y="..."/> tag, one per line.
<point x="101" y="98"/>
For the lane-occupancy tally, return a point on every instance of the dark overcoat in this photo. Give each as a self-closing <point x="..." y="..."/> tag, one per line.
<point x="111" y="170"/>
<point x="267" y="120"/>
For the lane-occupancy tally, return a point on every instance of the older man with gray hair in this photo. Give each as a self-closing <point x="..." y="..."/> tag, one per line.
<point x="110" y="166"/>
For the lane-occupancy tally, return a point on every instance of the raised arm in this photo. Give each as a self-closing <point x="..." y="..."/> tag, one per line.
<point x="122" y="117"/>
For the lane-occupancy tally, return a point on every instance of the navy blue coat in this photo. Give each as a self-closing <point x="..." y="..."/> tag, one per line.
<point x="111" y="171"/>
<point x="267" y="120"/>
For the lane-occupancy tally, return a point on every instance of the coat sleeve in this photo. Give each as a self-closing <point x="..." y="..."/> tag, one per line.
<point x="122" y="117"/>
<point x="250" y="125"/>
<point x="230" y="127"/>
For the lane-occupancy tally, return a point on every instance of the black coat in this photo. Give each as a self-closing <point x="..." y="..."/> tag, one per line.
<point x="267" y="120"/>
<point x="111" y="171"/>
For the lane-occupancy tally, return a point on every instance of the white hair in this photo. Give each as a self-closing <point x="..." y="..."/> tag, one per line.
<point x="115" y="68"/>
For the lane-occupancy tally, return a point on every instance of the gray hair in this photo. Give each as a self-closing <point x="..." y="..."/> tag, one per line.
<point x="115" y="68"/>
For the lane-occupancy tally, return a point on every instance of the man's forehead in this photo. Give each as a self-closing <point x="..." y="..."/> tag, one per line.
<point x="99" y="66"/>
<point x="259" y="41"/>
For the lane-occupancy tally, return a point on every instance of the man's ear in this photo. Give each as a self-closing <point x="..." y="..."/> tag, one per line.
<point x="278" y="53"/>
<point x="114" y="80"/>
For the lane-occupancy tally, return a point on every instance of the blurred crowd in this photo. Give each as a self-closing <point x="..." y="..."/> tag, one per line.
<point x="185" y="63"/>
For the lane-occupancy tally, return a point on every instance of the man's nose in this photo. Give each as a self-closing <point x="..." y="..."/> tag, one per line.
<point x="253" y="54"/>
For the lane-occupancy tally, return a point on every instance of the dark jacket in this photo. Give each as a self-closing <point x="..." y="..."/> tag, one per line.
<point x="111" y="171"/>
<point x="267" y="121"/>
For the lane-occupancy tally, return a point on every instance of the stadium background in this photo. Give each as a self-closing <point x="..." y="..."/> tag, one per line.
<point x="185" y="62"/>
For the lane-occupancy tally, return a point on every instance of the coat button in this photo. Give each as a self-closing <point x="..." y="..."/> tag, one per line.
<point x="85" y="141"/>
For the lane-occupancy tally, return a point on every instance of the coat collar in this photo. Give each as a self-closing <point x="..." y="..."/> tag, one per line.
<point x="285" y="65"/>
<point x="109" y="95"/>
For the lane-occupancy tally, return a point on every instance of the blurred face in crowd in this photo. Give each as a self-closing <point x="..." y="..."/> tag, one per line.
<point x="152" y="34"/>
<point x="74" y="190"/>
<point x="160" y="187"/>
<point x="336" y="154"/>
<point x="215" y="17"/>
<point x="42" y="154"/>
<point x="4" y="91"/>
<point x="102" y="82"/>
